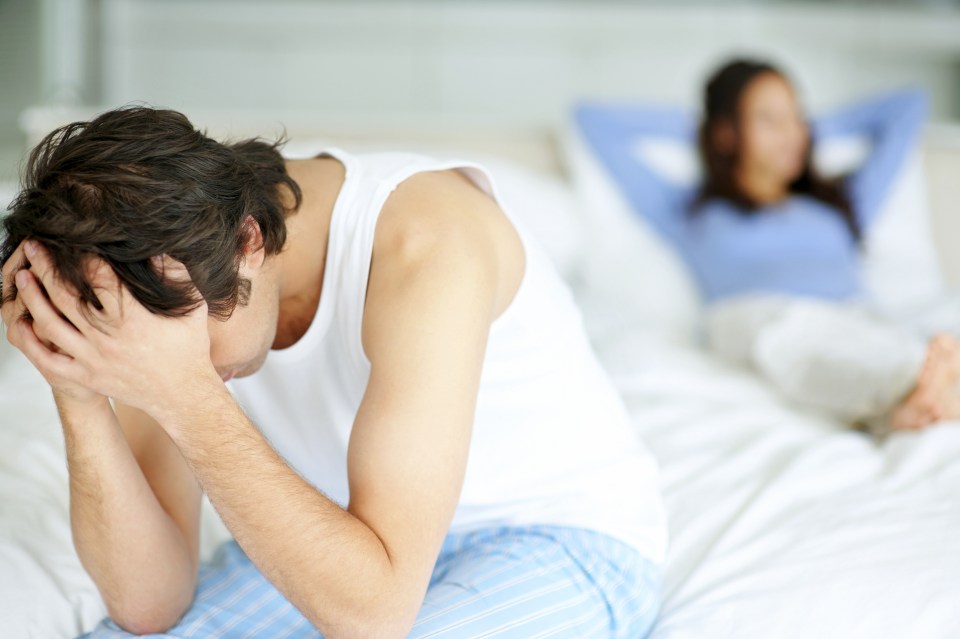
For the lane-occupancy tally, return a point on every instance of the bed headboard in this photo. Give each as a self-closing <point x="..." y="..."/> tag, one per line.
<point x="537" y="148"/>
<point x="941" y="158"/>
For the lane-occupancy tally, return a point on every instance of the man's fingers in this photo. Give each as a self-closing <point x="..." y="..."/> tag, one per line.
<point x="47" y="361"/>
<point x="173" y="270"/>
<point x="48" y="324"/>
<point x="106" y="286"/>
<point x="63" y="296"/>
<point x="13" y="309"/>
<point x="8" y="294"/>
<point x="11" y="305"/>
<point x="170" y="268"/>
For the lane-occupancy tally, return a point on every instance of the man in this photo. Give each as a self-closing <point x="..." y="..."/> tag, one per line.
<point x="428" y="448"/>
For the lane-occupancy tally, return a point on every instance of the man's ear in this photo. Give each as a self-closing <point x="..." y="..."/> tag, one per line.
<point x="253" y="252"/>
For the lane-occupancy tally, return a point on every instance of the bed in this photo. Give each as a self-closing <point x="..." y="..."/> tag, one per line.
<point x="783" y="524"/>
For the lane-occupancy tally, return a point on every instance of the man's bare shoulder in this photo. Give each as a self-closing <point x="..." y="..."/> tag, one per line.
<point x="443" y="211"/>
<point x="438" y="227"/>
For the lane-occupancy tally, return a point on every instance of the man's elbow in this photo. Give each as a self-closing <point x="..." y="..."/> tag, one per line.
<point x="375" y="619"/>
<point x="142" y="624"/>
<point x="372" y="628"/>
<point x="144" y="620"/>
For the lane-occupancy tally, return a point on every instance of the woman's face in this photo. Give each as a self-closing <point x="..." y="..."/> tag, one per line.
<point x="773" y="133"/>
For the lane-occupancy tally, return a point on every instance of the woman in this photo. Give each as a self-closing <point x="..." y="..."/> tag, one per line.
<point x="776" y="249"/>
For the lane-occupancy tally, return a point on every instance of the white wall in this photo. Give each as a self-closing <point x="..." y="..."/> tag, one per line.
<point x="512" y="63"/>
<point x="19" y="79"/>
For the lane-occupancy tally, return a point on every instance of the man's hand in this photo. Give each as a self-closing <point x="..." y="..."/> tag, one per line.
<point x="121" y="350"/>
<point x="25" y="335"/>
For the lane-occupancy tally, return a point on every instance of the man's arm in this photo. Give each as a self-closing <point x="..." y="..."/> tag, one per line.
<point x="355" y="572"/>
<point x="135" y="514"/>
<point x="134" y="505"/>
<point x="363" y="571"/>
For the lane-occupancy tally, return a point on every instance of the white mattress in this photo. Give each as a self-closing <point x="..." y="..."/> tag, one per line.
<point x="783" y="525"/>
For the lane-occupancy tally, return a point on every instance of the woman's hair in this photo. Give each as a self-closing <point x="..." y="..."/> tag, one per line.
<point x="721" y="107"/>
<point x="136" y="183"/>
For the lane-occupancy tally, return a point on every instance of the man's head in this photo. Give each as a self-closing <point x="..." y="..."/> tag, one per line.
<point x="137" y="183"/>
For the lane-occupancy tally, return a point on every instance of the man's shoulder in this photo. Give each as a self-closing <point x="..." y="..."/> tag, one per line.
<point x="435" y="212"/>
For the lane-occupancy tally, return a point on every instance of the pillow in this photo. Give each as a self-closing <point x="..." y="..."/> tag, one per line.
<point x="542" y="203"/>
<point x="545" y="205"/>
<point x="900" y="266"/>
<point x="629" y="277"/>
<point x="627" y="267"/>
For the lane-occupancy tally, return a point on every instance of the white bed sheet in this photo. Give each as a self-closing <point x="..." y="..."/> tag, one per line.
<point x="784" y="524"/>
<point x="44" y="591"/>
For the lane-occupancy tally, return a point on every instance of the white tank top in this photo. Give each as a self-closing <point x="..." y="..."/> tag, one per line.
<point x="551" y="439"/>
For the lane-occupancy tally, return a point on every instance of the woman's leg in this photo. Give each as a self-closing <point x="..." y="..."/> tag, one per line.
<point x="506" y="582"/>
<point x="832" y="356"/>
<point x="936" y="395"/>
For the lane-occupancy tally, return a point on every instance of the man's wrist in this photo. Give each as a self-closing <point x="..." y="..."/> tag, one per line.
<point x="205" y="392"/>
<point x="86" y="419"/>
<point x="71" y="407"/>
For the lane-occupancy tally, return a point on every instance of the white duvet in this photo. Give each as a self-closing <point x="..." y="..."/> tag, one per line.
<point x="782" y="523"/>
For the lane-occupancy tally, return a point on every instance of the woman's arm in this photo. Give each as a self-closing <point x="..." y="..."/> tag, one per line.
<point x="612" y="132"/>
<point x="892" y="122"/>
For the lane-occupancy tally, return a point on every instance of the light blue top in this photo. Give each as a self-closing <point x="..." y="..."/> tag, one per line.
<point x="800" y="246"/>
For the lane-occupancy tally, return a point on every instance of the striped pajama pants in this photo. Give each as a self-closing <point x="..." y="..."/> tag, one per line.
<point x="509" y="582"/>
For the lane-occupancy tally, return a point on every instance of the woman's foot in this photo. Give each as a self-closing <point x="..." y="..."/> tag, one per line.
<point x="935" y="397"/>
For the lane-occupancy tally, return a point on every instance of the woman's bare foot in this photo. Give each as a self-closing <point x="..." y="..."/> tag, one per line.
<point x="935" y="397"/>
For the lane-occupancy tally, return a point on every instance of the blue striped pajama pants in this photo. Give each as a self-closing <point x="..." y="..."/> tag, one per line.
<point x="509" y="582"/>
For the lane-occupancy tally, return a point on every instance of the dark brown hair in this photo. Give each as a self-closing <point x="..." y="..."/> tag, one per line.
<point x="721" y="106"/>
<point x="138" y="182"/>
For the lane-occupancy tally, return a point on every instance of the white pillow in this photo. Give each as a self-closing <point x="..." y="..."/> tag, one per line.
<point x="629" y="276"/>
<point x="631" y="270"/>
<point x="900" y="266"/>
<point x="543" y="204"/>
